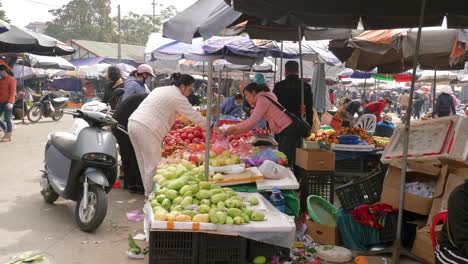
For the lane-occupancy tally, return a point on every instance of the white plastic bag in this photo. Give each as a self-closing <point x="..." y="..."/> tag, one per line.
<point x="271" y="170"/>
<point x="334" y="254"/>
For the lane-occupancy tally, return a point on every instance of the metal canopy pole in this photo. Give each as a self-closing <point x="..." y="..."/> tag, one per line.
<point x="364" y="92"/>
<point x="274" y="74"/>
<point x="404" y="164"/>
<point x="299" y="34"/>
<point x="208" y="117"/>
<point x="218" y="102"/>
<point x="281" y="61"/>
<point x="434" y="86"/>
<point x="227" y="92"/>
<point x="24" y="90"/>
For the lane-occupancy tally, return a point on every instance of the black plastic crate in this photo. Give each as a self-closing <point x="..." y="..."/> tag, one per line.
<point x="256" y="248"/>
<point x="360" y="192"/>
<point x="321" y="183"/>
<point x="222" y="249"/>
<point x="170" y="247"/>
<point x="357" y="164"/>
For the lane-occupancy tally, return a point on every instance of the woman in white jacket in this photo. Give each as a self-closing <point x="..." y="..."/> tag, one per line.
<point x="153" y="119"/>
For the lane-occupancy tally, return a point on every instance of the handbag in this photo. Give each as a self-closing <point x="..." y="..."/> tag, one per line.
<point x="302" y="127"/>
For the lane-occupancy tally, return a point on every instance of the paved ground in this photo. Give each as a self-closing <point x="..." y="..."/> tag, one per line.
<point x="28" y="223"/>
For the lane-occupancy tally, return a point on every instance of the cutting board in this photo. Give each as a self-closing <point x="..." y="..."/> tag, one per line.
<point x="240" y="178"/>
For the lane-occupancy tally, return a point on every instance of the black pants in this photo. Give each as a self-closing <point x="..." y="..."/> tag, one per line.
<point x="288" y="141"/>
<point x="130" y="167"/>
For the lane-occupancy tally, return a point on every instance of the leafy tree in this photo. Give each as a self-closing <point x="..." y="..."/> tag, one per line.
<point x="83" y="19"/>
<point x="3" y="14"/>
<point x="136" y="28"/>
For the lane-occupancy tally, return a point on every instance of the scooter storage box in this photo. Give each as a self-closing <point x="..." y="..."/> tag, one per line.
<point x="442" y="138"/>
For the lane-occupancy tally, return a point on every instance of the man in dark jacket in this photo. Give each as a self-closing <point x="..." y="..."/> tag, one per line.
<point x="288" y="92"/>
<point x="444" y="105"/>
<point x="453" y="241"/>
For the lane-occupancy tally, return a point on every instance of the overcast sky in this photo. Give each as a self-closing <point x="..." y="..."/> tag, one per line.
<point x="22" y="12"/>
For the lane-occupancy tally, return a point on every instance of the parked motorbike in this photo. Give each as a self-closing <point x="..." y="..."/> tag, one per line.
<point x="93" y="106"/>
<point x="82" y="168"/>
<point x="48" y="106"/>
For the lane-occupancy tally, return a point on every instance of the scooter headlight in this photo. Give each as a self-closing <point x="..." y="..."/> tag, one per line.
<point x="99" y="157"/>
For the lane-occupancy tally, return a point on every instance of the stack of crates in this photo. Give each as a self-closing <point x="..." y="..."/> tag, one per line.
<point x="315" y="171"/>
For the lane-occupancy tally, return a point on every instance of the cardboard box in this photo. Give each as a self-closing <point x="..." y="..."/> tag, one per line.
<point x="323" y="234"/>
<point x="315" y="159"/>
<point x="422" y="246"/>
<point x="391" y="192"/>
<point x="447" y="182"/>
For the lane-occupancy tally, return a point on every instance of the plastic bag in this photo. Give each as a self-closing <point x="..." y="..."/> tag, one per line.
<point x="271" y="170"/>
<point x="221" y="144"/>
<point x="334" y="254"/>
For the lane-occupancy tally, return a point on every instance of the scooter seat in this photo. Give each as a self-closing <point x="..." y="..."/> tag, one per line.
<point x="64" y="142"/>
<point x="60" y="100"/>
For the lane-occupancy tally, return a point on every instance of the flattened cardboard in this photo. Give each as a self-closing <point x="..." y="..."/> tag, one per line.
<point x="429" y="167"/>
<point x="391" y="194"/>
<point x="315" y="159"/>
<point x="454" y="179"/>
<point x="323" y="234"/>
<point x="422" y="246"/>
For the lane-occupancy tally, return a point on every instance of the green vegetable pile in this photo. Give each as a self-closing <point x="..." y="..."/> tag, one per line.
<point x="184" y="196"/>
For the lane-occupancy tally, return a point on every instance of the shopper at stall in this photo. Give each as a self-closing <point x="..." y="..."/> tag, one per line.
<point x="153" y="119"/>
<point x="115" y="81"/>
<point x="417" y="105"/>
<point x="20" y="107"/>
<point x="352" y="107"/>
<point x="7" y="98"/>
<point x="132" y="176"/>
<point x="385" y="128"/>
<point x="403" y="101"/>
<point x="376" y="108"/>
<point x="453" y="242"/>
<point x="278" y="121"/>
<point x="288" y="92"/>
<point x="232" y="106"/>
<point x="444" y="105"/>
<point x="332" y="96"/>
<point x="135" y="83"/>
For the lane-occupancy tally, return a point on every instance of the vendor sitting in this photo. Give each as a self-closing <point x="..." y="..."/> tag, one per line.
<point x="385" y="128"/>
<point x="453" y="242"/>
<point x="232" y="106"/>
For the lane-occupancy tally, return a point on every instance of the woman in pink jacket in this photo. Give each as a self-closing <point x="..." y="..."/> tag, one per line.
<point x="278" y="121"/>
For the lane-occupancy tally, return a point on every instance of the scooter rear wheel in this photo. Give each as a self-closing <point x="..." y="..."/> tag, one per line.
<point x="91" y="218"/>
<point x="57" y="115"/>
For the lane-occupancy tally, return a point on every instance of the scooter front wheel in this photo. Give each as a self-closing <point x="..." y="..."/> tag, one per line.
<point x="49" y="195"/>
<point x="91" y="218"/>
<point x="34" y="114"/>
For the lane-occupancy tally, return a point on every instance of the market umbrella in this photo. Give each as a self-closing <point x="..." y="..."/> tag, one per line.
<point x="441" y="76"/>
<point x="4" y="26"/>
<point x="391" y="51"/>
<point x="203" y="19"/>
<point x="26" y="73"/>
<point x="47" y="62"/>
<point x="21" y="40"/>
<point x="347" y="14"/>
<point x="318" y="88"/>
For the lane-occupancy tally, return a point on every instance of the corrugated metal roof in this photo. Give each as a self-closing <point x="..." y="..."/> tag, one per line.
<point x="109" y="50"/>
